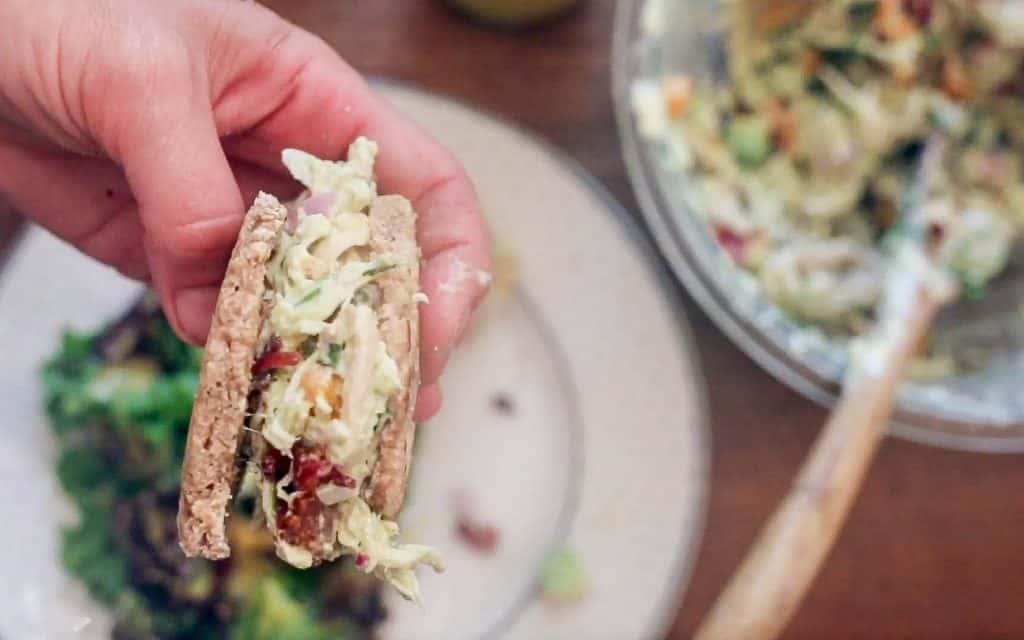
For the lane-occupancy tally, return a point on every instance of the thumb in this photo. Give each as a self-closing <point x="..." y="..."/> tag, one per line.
<point x="189" y="204"/>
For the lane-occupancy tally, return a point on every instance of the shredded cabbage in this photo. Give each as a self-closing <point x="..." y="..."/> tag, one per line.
<point x="361" y="531"/>
<point x="849" y="93"/>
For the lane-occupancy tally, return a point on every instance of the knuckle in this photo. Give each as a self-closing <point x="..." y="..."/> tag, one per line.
<point x="131" y="263"/>
<point x="200" y="238"/>
<point x="186" y="240"/>
<point x="128" y="75"/>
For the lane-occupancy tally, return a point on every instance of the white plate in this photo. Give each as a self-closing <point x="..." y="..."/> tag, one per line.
<point x="603" y="450"/>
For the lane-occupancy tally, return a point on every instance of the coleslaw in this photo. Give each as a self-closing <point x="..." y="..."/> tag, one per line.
<point x="799" y="164"/>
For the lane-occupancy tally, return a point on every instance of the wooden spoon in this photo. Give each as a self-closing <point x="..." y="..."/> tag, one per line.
<point x="772" y="580"/>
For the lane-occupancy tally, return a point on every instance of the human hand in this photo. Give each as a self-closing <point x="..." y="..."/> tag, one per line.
<point x="137" y="131"/>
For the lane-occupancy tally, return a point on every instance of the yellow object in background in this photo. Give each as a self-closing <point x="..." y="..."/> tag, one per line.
<point x="513" y="13"/>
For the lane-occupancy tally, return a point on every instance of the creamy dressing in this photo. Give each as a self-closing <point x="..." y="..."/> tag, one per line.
<point x="909" y="274"/>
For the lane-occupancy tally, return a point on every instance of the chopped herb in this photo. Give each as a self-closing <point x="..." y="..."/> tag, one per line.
<point x="749" y="140"/>
<point x="368" y="295"/>
<point x="973" y="291"/>
<point x="334" y="352"/>
<point x="861" y="14"/>
<point x="975" y="35"/>
<point x="969" y="287"/>
<point x="839" y="57"/>
<point x="816" y="87"/>
<point x="309" y="296"/>
<point x="380" y="268"/>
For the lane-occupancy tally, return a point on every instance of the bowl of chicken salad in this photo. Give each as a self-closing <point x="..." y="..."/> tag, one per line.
<point x="772" y="146"/>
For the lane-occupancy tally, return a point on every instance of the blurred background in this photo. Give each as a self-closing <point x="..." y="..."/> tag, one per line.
<point x="932" y="547"/>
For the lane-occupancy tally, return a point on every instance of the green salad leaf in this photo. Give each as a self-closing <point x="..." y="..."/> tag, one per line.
<point x="273" y="612"/>
<point x="89" y="550"/>
<point x="120" y="401"/>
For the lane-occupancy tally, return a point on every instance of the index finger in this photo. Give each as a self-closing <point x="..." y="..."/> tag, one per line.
<point x="330" y="105"/>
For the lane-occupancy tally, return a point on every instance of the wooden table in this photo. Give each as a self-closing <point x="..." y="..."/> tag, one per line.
<point x="931" y="550"/>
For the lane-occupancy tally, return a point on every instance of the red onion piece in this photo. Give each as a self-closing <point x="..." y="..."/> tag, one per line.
<point x="319" y="203"/>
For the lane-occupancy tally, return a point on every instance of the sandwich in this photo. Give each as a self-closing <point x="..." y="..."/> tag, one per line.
<point x="309" y="376"/>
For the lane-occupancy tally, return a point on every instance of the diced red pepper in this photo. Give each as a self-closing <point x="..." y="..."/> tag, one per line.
<point x="303" y="521"/>
<point x="288" y="523"/>
<point x="313" y="470"/>
<point x="276" y="360"/>
<point x="731" y="242"/>
<point x="361" y="560"/>
<point x="300" y="524"/>
<point x="340" y="479"/>
<point x="919" y="10"/>
<point x="274" y="464"/>
<point x="269" y="466"/>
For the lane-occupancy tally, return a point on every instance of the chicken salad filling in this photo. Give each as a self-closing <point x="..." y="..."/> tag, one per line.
<point x="323" y="377"/>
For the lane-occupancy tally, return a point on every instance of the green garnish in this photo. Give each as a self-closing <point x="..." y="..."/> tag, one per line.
<point x="334" y="352"/>
<point x="970" y="289"/>
<point x="840" y="57"/>
<point x="309" y="296"/>
<point x="861" y="15"/>
<point x="380" y="268"/>
<point x="365" y="295"/>
<point x="749" y="140"/>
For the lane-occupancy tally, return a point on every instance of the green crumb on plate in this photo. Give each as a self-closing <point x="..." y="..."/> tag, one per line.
<point x="564" y="578"/>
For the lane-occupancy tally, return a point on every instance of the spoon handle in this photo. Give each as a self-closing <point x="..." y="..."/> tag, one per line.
<point x="773" y="578"/>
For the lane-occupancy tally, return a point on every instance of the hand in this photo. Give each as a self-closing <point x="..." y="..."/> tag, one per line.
<point x="138" y="131"/>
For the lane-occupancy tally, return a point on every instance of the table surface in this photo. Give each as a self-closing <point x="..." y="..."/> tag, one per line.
<point x="931" y="548"/>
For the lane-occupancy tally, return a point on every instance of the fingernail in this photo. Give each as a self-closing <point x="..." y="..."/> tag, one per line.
<point x="194" y="308"/>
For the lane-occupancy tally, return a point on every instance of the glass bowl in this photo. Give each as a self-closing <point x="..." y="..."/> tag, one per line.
<point x="979" y="408"/>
